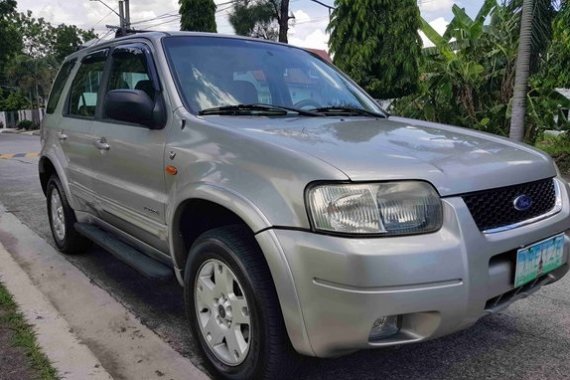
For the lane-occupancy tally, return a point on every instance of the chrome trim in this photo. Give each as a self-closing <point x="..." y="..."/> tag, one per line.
<point x="555" y="210"/>
<point x="388" y="289"/>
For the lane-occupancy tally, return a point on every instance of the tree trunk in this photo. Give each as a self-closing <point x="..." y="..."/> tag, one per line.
<point x="284" y="21"/>
<point x="520" y="89"/>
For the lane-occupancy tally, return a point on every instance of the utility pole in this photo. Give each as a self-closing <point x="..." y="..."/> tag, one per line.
<point x="284" y="21"/>
<point x="122" y="21"/>
<point x="127" y="14"/>
<point x="122" y="14"/>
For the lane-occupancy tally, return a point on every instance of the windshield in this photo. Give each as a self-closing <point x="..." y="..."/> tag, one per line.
<point x="213" y="72"/>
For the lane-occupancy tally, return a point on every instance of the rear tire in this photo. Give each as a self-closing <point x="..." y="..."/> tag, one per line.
<point x="249" y="309"/>
<point x="62" y="220"/>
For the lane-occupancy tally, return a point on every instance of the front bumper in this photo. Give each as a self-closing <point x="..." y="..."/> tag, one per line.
<point x="437" y="283"/>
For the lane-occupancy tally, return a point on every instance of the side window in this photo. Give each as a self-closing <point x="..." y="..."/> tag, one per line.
<point x="130" y="71"/>
<point x="58" y="85"/>
<point x="85" y="87"/>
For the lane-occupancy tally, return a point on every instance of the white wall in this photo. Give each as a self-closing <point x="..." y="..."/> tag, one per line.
<point x="35" y="115"/>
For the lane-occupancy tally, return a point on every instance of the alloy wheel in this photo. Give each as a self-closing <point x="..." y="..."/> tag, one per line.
<point x="57" y="215"/>
<point x="223" y="312"/>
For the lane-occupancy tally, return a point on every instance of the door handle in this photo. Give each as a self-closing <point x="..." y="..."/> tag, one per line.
<point x="102" y="144"/>
<point x="62" y="136"/>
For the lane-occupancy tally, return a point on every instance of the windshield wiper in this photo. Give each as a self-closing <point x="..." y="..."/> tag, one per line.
<point x="255" y="109"/>
<point x="347" y="111"/>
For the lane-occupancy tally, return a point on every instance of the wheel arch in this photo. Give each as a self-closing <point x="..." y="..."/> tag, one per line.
<point x="226" y="208"/>
<point x="46" y="168"/>
<point x="193" y="217"/>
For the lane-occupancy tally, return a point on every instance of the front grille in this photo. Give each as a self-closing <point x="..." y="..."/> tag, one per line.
<point x="495" y="208"/>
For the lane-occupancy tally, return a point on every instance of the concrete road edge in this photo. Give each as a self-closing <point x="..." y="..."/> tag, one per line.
<point x="71" y="358"/>
<point x="82" y="329"/>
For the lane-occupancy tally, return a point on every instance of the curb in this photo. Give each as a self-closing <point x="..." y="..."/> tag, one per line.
<point x="99" y="327"/>
<point x="35" y="132"/>
<point x="71" y="359"/>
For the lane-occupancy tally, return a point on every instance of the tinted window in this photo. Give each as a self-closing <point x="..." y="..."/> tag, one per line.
<point x="130" y="71"/>
<point x="85" y="87"/>
<point x="58" y="85"/>
<point x="214" y="72"/>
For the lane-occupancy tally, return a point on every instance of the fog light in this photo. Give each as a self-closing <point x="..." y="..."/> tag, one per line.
<point x="384" y="327"/>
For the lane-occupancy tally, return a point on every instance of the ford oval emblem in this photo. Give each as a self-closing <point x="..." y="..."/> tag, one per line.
<point x="522" y="202"/>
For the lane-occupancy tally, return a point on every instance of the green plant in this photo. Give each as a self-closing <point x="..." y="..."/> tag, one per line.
<point x="198" y="15"/>
<point x="555" y="66"/>
<point x="255" y="18"/>
<point x="545" y="109"/>
<point x="25" y="124"/>
<point x="468" y="75"/>
<point x="15" y="101"/>
<point x="559" y="149"/>
<point x="23" y="336"/>
<point x="11" y="36"/>
<point x="377" y="43"/>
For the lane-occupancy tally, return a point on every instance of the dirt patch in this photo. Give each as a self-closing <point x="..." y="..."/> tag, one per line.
<point x="20" y="355"/>
<point x="563" y="162"/>
<point x="14" y="364"/>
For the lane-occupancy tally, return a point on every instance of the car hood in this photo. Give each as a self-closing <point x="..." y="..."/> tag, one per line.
<point x="455" y="160"/>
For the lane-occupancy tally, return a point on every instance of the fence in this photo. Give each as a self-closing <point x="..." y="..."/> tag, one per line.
<point x="10" y="119"/>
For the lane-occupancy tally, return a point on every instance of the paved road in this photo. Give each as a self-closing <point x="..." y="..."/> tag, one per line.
<point x="530" y="340"/>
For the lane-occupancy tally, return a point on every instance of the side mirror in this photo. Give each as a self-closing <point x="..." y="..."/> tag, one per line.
<point x="133" y="106"/>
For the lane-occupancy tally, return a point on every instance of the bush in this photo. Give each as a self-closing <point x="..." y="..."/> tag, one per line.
<point x="28" y="125"/>
<point x="559" y="149"/>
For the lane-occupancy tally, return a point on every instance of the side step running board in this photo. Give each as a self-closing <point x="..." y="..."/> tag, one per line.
<point x="142" y="263"/>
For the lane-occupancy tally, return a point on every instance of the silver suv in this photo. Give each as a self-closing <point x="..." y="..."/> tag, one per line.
<point x="298" y="216"/>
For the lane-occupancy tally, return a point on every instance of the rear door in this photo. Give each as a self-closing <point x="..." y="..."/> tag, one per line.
<point x="129" y="182"/>
<point x="73" y="131"/>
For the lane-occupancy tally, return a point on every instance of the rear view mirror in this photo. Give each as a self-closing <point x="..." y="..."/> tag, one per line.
<point x="133" y="106"/>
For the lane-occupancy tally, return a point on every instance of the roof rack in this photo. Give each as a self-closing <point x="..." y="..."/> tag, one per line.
<point x="122" y="32"/>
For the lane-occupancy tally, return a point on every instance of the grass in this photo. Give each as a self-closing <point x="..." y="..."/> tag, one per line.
<point x="24" y="337"/>
<point x="559" y="149"/>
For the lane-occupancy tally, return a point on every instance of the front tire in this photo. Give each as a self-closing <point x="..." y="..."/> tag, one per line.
<point x="233" y="309"/>
<point x="62" y="220"/>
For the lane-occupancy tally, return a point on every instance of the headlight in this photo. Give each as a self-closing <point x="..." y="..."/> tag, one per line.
<point x="390" y="208"/>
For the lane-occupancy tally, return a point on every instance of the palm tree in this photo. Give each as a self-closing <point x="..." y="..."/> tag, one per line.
<point x="535" y="36"/>
<point x="522" y="72"/>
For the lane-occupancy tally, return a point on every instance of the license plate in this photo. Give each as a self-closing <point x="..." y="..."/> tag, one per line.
<point x="538" y="259"/>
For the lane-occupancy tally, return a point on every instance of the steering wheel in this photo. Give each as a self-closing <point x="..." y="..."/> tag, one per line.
<point x="307" y="103"/>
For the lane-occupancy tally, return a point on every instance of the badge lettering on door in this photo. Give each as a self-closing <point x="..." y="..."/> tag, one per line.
<point x="147" y="209"/>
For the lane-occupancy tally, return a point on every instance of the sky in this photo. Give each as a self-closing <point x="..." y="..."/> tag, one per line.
<point x="308" y="28"/>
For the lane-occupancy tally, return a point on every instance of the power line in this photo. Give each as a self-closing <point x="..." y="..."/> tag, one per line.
<point x="311" y="21"/>
<point x="103" y="18"/>
<point x="148" y="27"/>
<point x="226" y="3"/>
<point x="225" y="9"/>
<point x="113" y="10"/>
<point x="163" y="16"/>
<point x="331" y="8"/>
